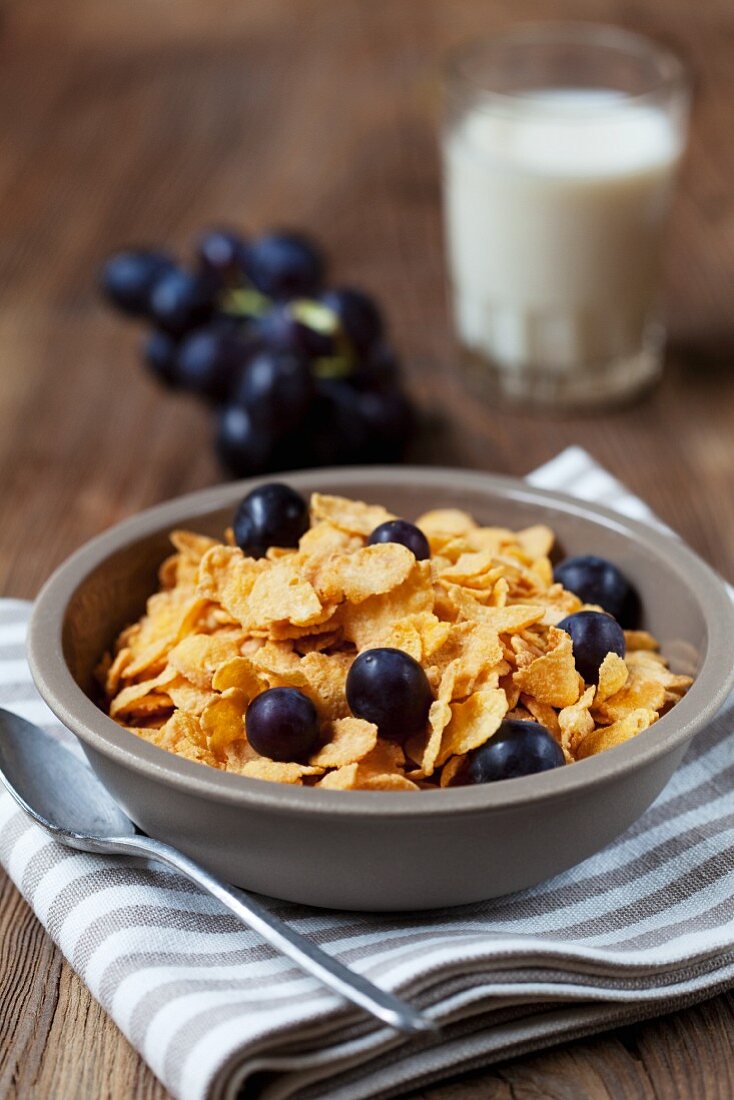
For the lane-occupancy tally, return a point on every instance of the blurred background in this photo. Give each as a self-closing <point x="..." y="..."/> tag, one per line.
<point x="147" y="121"/>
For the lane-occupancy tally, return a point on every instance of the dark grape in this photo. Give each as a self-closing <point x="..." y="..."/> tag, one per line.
<point x="594" y="634"/>
<point x="271" y="515"/>
<point x="347" y="425"/>
<point x="358" y="315"/>
<point x="310" y="443"/>
<point x="236" y="324"/>
<point x="282" y="329"/>
<point x="282" y="724"/>
<point x="389" y="688"/>
<point x="517" y="748"/>
<point x="159" y="352"/>
<point x="182" y="300"/>
<point x="407" y="534"/>
<point x="244" y="446"/>
<point x="335" y="433"/>
<point x="221" y="252"/>
<point x="598" y="581"/>
<point x="377" y="368"/>
<point x="285" y="265"/>
<point x="388" y="419"/>
<point x="208" y="361"/>
<point x="277" y="387"/>
<point x="303" y="374"/>
<point x="127" y="278"/>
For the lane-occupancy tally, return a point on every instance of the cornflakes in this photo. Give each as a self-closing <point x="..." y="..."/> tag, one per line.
<point x="480" y="617"/>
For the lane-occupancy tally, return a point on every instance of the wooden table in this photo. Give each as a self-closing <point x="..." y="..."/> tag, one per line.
<point x="144" y="120"/>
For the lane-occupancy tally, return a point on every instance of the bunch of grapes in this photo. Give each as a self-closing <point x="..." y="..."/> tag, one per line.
<point x="299" y="374"/>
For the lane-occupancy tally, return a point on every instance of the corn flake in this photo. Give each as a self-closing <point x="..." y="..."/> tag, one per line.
<point x="608" y="737"/>
<point x="352" y="516"/>
<point x="223" y="720"/>
<point x="552" y="678"/>
<point x="277" y="771"/>
<point x="351" y="739"/>
<point x="472" y="723"/>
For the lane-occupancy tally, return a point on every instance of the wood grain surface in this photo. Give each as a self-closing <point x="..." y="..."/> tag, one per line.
<point x="142" y="121"/>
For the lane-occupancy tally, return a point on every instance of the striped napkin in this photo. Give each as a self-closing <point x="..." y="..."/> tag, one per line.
<point x="642" y="928"/>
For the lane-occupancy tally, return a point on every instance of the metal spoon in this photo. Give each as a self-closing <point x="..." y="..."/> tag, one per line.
<point x="62" y="795"/>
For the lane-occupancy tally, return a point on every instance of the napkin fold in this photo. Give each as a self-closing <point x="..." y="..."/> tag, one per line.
<point x="642" y="928"/>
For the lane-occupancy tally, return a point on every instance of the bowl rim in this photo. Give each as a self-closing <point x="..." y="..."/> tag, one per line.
<point x="102" y="735"/>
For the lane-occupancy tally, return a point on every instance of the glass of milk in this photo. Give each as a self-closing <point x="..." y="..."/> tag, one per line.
<point x="560" y="151"/>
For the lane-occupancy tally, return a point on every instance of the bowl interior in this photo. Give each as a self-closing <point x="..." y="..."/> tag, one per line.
<point x="114" y="590"/>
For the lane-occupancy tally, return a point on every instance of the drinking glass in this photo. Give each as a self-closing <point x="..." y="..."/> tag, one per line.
<point x="561" y="146"/>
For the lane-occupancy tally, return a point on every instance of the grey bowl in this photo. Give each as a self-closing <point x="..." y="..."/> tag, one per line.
<point x="384" y="850"/>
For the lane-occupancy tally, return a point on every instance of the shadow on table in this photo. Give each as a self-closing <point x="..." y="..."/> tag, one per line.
<point x="704" y="359"/>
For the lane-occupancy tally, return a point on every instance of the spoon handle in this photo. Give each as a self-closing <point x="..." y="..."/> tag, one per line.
<point x="384" y="1006"/>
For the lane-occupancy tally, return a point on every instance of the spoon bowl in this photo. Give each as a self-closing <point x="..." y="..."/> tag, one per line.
<point x="57" y="789"/>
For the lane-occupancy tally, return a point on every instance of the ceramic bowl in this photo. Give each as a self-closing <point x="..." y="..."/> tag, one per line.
<point x="384" y="850"/>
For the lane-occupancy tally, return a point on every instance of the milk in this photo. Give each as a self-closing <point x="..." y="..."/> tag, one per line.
<point x="555" y="207"/>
